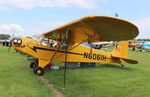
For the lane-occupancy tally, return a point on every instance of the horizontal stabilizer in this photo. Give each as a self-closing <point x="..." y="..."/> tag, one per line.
<point x="131" y="61"/>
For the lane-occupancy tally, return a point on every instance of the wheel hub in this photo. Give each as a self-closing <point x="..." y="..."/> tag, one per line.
<point x="38" y="71"/>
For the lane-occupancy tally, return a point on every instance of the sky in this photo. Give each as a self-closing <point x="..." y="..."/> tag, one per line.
<point x="29" y="17"/>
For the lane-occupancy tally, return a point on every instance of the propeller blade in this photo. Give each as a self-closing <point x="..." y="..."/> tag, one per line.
<point x="11" y="40"/>
<point x="10" y="44"/>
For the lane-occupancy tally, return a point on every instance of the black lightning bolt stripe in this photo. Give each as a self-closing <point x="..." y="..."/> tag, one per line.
<point x="35" y="49"/>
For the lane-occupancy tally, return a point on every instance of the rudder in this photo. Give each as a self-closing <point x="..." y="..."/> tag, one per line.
<point x="121" y="50"/>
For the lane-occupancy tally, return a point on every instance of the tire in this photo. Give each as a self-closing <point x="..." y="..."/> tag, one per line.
<point x="33" y="64"/>
<point x="39" y="71"/>
<point x="133" y="48"/>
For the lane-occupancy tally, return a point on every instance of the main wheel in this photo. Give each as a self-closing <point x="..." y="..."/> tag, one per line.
<point x="33" y="64"/>
<point x="39" y="71"/>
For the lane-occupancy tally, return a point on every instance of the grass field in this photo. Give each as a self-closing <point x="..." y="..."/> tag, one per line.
<point x="17" y="80"/>
<point x="107" y="80"/>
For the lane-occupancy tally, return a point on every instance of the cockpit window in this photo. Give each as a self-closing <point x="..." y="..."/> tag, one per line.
<point x="48" y="42"/>
<point x="54" y="39"/>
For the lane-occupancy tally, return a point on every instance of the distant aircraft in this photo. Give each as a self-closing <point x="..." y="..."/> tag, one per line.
<point x="133" y="45"/>
<point x="64" y="43"/>
<point x="146" y="46"/>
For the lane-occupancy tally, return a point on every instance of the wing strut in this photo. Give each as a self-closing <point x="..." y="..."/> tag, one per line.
<point x="60" y="43"/>
<point x="65" y="47"/>
<point x="65" y="69"/>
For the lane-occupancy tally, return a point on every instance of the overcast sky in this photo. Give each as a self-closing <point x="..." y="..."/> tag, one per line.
<point x="29" y="17"/>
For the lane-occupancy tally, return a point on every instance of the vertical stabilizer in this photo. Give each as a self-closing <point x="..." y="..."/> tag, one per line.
<point x="121" y="50"/>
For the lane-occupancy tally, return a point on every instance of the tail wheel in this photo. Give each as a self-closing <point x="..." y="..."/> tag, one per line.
<point x="39" y="71"/>
<point x="133" y="48"/>
<point x="33" y="64"/>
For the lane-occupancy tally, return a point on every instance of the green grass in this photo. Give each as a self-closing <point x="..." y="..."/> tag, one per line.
<point x="106" y="80"/>
<point x="16" y="78"/>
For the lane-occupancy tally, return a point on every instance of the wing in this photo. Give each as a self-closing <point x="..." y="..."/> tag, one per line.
<point x="98" y="28"/>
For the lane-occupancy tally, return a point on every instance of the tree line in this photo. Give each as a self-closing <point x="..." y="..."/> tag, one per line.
<point x="4" y="36"/>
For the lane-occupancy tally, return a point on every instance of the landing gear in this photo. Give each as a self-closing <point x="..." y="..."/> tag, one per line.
<point x="33" y="64"/>
<point x="123" y="66"/>
<point x="39" y="71"/>
<point x="38" y="66"/>
<point x="36" y="69"/>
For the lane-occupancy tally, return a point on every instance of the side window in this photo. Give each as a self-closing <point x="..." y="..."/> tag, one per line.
<point x="48" y="42"/>
<point x="44" y="42"/>
<point x="57" y="37"/>
<point x="53" y="36"/>
<point x="67" y="39"/>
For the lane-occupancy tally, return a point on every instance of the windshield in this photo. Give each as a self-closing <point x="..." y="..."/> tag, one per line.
<point x="38" y="37"/>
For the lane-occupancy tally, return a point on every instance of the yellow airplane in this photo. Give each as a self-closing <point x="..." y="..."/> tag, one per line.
<point x="63" y="44"/>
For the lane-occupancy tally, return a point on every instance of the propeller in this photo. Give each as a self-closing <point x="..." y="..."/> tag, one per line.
<point x="11" y="40"/>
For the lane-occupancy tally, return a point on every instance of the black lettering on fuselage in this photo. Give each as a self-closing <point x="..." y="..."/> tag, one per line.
<point x="90" y="56"/>
<point x="94" y="56"/>
<point x="86" y="55"/>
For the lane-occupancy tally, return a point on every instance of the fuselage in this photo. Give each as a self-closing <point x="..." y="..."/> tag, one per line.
<point x="75" y="53"/>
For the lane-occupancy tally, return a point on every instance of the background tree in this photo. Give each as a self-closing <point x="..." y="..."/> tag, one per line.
<point x="4" y="36"/>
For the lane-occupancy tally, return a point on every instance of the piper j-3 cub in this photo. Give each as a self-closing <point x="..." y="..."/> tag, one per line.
<point x="63" y="44"/>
